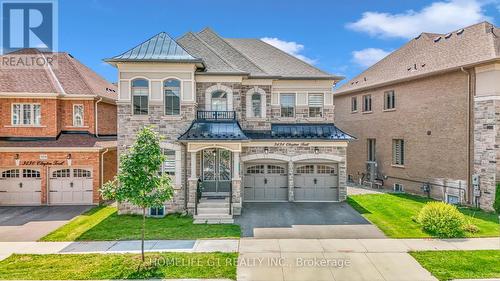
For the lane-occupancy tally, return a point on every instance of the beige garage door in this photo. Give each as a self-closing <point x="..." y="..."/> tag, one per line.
<point x="20" y="187"/>
<point x="70" y="186"/>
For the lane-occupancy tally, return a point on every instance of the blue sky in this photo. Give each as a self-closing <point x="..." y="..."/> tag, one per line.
<point x="342" y="37"/>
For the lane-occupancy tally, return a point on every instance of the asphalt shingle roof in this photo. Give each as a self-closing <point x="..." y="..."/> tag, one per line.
<point x="431" y="53"/>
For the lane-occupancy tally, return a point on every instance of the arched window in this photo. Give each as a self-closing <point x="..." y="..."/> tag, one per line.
<point x="140" y="96"/>
<point x="256" y="105"/>
<point x="171" y="91"/>
<point x="219" y="101"/>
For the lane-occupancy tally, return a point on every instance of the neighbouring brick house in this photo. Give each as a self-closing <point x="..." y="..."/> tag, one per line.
<point x="241" y="121"/>
<point x="428" y="115"/>
<point x="57" y="130"/>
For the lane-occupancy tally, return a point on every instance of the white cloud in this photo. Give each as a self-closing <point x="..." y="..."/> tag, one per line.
<point x="291" y="47"/>
<point x="369" y="56"/>
<point x="438" y="17"/>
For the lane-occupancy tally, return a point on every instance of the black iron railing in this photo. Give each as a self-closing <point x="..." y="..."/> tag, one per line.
<point x="198" y="196"/>
<point x="230" y="198"/>
<point x="216" y="115"/>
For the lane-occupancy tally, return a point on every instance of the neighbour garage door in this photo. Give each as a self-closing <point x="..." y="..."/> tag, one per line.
<point x="316" y="182"/>
<point x="20" y="187"/>
<point x="70" y="186"/>
<point x="266" y="182"/>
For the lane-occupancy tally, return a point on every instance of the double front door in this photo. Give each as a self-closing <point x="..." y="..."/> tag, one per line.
<point x="216" y="172"/>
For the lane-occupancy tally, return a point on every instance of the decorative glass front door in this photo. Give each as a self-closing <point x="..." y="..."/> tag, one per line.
<point x="216" y="167"/>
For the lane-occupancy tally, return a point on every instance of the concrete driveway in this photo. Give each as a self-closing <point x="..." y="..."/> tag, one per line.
<point x="32" y="223"/>
<point x="272" y="220"/>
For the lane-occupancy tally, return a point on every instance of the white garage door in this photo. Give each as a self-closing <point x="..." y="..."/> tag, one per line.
<point x="316" y="182"/>
<point x="70" y="186"/>
<point x="20" y="187"/>
<point x="266" y="182"/>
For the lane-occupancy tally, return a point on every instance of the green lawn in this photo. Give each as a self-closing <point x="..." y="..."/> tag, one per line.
<point x="103" y="223"/>
<point x="446" y="265"/>
<point x="119" y="266"/>
<point x="394" y="213"/>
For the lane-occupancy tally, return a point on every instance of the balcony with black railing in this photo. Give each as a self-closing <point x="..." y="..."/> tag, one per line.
<point x="216" y="115"/>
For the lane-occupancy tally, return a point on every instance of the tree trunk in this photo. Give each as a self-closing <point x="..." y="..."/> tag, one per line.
<point x="143" y="229"/>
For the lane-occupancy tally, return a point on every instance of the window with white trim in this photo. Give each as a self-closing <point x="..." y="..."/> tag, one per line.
<point x="168" y="166"/>
<point x="256" y="105"/>
<point x="29" y="173"/>
<point x="140" y="96"/>
<point x="287" y="102"/>
<point x="274" y="169"/>
<point x="62" y="173"/>
<point x="367" y="103"/>
<point x="371" y="143"/>
<point x="398" y="187"/>
<point x="219" y="101"/>
<point x="256" y="169"/>
<point x="306" y="169"/>
<point x="325" y="169"/>
<point x="398" y="152"/>
<point x="26" y="114"/>
<point x="157" y="212"/>
<point x="389" y="100"/>
<point x="354" y="104"/>
<point x="81" y="173"/>
<point x="14" y="173"/>
<point x="172" y="90"/>
<point x="78" y="115"/>
<point x="316" y="102"/>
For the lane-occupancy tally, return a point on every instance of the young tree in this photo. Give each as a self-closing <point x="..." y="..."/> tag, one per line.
<point x="139" y="181"/>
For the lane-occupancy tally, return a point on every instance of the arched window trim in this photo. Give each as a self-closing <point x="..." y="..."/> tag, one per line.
<point x="219" y="98"/>
<point x="132" y="92"/>
<point x="263" y="102"/>
<point x="218" y="87"/>
<point x="163" y="95"/>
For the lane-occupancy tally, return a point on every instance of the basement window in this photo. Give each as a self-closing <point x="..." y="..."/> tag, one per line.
<point x="398" y="187"/>
<point x="157" y="212"/>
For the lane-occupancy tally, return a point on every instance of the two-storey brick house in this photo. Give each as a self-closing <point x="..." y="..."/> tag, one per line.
<point x="242" y="121"/>
<point x="428" y="116"/>
<point x="57" y="130"/>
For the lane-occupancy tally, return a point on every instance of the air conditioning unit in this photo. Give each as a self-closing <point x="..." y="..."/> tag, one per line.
<point x="371" y="171"/>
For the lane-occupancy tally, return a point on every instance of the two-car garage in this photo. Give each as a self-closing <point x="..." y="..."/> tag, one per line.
<point x="270" y="182"/>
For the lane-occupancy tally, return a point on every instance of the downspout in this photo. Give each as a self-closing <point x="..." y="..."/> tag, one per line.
<point x="469" y="126"/>
<point x="95" y="110"/>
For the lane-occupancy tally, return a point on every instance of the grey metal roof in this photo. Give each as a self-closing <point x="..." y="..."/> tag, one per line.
<point x="326" y="131"/>
<point x="160" y="47"/>
<point x="214" y="130"/>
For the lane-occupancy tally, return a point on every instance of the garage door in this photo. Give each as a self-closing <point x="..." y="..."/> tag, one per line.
<point x="20" y="187"/>
<point x="316" y="182"/>
<point x="266" y="182"/>
<point x="70" y="186"/>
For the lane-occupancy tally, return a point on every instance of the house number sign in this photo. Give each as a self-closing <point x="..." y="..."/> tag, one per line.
<point x="42" y="163"/>
<point x="291" y="144"/>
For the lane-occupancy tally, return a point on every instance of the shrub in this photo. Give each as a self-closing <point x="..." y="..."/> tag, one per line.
<point x="442" y="220"/>
<point x="471" y="228"/>
<point x="496" y="204"/>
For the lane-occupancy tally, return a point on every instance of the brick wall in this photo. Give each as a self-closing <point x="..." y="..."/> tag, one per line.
<point x="66" y="115"/>
<point x="107" y="118"/>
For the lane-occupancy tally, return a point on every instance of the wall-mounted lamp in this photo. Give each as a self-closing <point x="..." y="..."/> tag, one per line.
<point x="316" y="150"/>
<point x="16" y="158"/>
<point x="266" y="150"/>
<point x="68" y="159"/>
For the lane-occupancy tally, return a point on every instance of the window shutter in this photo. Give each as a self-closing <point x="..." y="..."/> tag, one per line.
<point x="316" y="100"/>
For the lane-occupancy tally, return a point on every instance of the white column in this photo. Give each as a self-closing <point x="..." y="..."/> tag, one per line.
<point x="193" y="165"/>
<point x="236" y="165"/>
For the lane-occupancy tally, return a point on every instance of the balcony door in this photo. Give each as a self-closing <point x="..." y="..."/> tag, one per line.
<point x="216" y="172"/>
<point x="219" y="101"/>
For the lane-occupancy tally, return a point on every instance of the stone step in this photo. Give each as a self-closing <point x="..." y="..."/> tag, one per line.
<point x="213" y="205"/>
<point x="204" y="199"/>
<point x="213" y="218"/>
<point x="213" y="221"/>
<point x="212" y="210"/>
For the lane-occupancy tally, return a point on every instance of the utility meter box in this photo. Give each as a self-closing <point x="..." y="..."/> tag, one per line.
<point x="475" y="180"/>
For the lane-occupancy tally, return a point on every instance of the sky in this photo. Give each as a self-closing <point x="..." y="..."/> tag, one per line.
<point x="342" y="37"/>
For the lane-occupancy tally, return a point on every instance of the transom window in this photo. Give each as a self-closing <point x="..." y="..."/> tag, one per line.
<point x="325" y="169"/>
<point x="172" y="90"/>
<point x="287" y="102"/>
<point x="367" y="103"/>
<point x="29" y="173"/>
<point x="354" y="104"/>
<point x="389" y="100"/>
<point x="14" y="173"/>
<point x="219" y="101"/>
<point x="316" y="105"/>
<point x="306" y="169"/>
<point x="81" y="173"/>
<point x="398" y="152"/>
<point x="26" y="114"/>
<point x="62" y="173"/>
<point x="256" y="105"/>
<point x="78" y="115"/>
<point x="140" y="96"/>
<point x="274" y="169"/>
<point x="256" y="169"/>
<point x="169" y="164"/>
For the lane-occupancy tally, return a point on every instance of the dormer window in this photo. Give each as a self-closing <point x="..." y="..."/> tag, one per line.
<point x="172" y="90"/>
<point x="219" y="101"/>
<point x="140" y="96"/>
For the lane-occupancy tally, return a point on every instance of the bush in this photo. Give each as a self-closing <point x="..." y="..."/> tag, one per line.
<point x="442" y="220"/>
<point x="496" y="204"/>
<point x="471" y="228"/>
